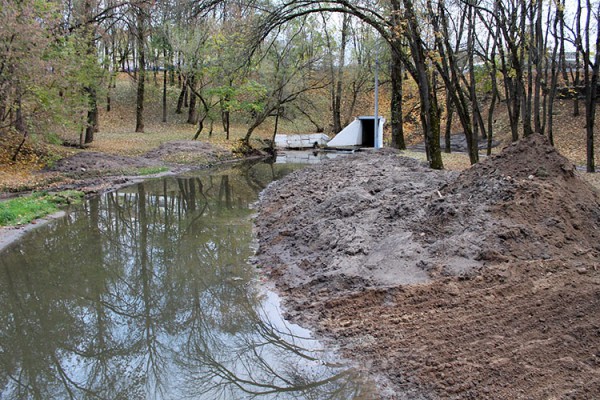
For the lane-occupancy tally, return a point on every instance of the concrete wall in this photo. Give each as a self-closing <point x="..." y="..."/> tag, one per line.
<point x="354" y="134"/>
<point x="300" y="141"/>
<point x="349" y="136"/>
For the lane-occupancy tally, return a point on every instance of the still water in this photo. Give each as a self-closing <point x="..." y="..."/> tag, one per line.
<point x="146" y="293"/>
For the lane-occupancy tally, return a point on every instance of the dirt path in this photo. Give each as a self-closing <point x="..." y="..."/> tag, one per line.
<point x="484" y="284"/>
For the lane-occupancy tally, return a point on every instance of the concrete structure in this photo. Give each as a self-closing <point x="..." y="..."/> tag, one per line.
<point x="361" y="132"/>
<point x="306" y="157"/>
<point x="301" y="141"/>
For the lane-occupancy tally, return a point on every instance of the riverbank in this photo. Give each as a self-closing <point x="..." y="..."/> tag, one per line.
<point x="480" y="284"/>
<point x="94" y="173"/>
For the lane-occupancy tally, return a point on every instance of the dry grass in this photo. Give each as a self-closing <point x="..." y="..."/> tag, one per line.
<point x="452" y="161"/>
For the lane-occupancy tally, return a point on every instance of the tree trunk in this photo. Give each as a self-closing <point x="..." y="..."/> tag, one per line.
<point x="164" y="94"/>
<point x="554" y="72"/>
<point x="527" y="90"/>
<point x="472" y="78"/>
<point x="108" y="94"/>
<point x="141" y="76"/>
<point x="19" y="118"/>
<point x="578" y="47"/>
<point x="511" y="92"/>
<point x="337" y="98"/>
<point x="192" y="112"/>
<point x="449" y="117"/>
<point x="591" y="91"/>
<point x="450" y="72"/>
<point x="109" y="73"/>
<point x="430" y="117"/>
<point x="92" y="116"/>
<point x="397" y="122"/>
<point x="180" y="100"/>
<point x="225" y="115"/>
<point x="203" y="118"/>
<point x="539" y="57"/>
<point x="226" y="124"/>
<point x="495" y="96"/>
<point x="19" y="123"/>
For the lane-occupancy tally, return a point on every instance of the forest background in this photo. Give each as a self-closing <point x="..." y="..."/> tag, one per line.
<point x="124" y="76"/>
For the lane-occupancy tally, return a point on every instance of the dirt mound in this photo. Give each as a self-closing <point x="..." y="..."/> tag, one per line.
<point x="189" y="152"/>
<point x="94" y="172"/>
<point x="506" y="256"/>
<point x="387" y="220"/>
<point x="346" y="222"/>
<point x="539" y="208"/>
<point x="531" y="156"/>
<point x="521" y="331"/>
<point x="91" y="163"/>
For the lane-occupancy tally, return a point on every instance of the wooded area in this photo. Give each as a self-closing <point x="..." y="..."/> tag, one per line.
<point x="252" y="60"/>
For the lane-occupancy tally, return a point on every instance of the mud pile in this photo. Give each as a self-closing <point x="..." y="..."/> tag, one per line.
<point x="345" y="224"/>
<point x="525" y="203"/>
<point x="506" y="256"/>
<point x="91" y="163"/>
<point x="379" y="220"/>
<point x="193" y="153"/>
<point x="189" y="152"/>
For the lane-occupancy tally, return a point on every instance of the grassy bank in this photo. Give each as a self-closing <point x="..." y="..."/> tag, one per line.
<point x="23" y="210"/>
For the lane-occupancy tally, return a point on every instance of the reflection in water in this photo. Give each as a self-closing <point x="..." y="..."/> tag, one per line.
<point x="146" y="293"/>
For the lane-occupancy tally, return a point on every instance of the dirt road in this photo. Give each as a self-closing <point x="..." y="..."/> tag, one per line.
<point x="479" y="285"/>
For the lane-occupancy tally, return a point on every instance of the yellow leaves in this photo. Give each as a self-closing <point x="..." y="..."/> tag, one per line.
<point x="14" y="178"/>
<point x="25" y="173"/>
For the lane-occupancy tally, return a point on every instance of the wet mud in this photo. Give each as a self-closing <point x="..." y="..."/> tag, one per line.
<point x="445" y="285"/>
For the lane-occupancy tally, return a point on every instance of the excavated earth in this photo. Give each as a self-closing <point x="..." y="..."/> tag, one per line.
<point x="478" y="285"/>
<point x="95" y="172"/>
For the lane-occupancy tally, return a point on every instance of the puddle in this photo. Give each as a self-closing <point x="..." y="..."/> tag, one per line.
<point x="145" y="293"/>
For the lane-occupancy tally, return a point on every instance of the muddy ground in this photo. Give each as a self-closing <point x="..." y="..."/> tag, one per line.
<point x="478" y="285"/>
<point x="94" y="172"/>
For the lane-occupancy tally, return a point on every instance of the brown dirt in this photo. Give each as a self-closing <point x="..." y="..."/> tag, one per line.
<point x="483" y="284"/>
<point x="92" y="163"/>
<point x="189" y="152"/>
<point x="94" y="172"/>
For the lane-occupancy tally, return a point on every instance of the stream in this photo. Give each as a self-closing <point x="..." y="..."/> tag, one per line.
<point x="147" y="293"/>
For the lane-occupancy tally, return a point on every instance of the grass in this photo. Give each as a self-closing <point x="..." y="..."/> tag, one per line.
<point x="151" y="170"/>
<point x="25" y="209"/>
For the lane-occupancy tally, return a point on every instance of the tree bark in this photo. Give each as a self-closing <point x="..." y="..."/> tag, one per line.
<point x="450" y="72"/>
<point x="430" y="118"/>
<point x="578" y="53"/>
<point x="396" y="112"/>
<point x="591" y="79"/>
<point x="164" y="94"/>
<point x="92" y="116"/>
<point x="141" y="76"/>
<point x="539" y="58"/>
<point x="192" y="112"/>
<point x="181" y="98"/>
<point x="337" y="97"/>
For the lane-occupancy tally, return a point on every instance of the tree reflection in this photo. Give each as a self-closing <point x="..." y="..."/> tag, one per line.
<point x="268" y="361"/>
<point x="145" y="293"/>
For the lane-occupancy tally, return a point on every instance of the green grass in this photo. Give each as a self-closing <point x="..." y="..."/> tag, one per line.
<point x="151" y="170"/>
<point x="23" y="210"/>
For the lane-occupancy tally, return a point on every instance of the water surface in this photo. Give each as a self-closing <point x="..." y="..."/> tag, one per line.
<point x="146" y="293"/>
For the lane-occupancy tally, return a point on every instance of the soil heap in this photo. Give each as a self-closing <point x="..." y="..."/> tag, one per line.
<point x="483" y="284"/>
